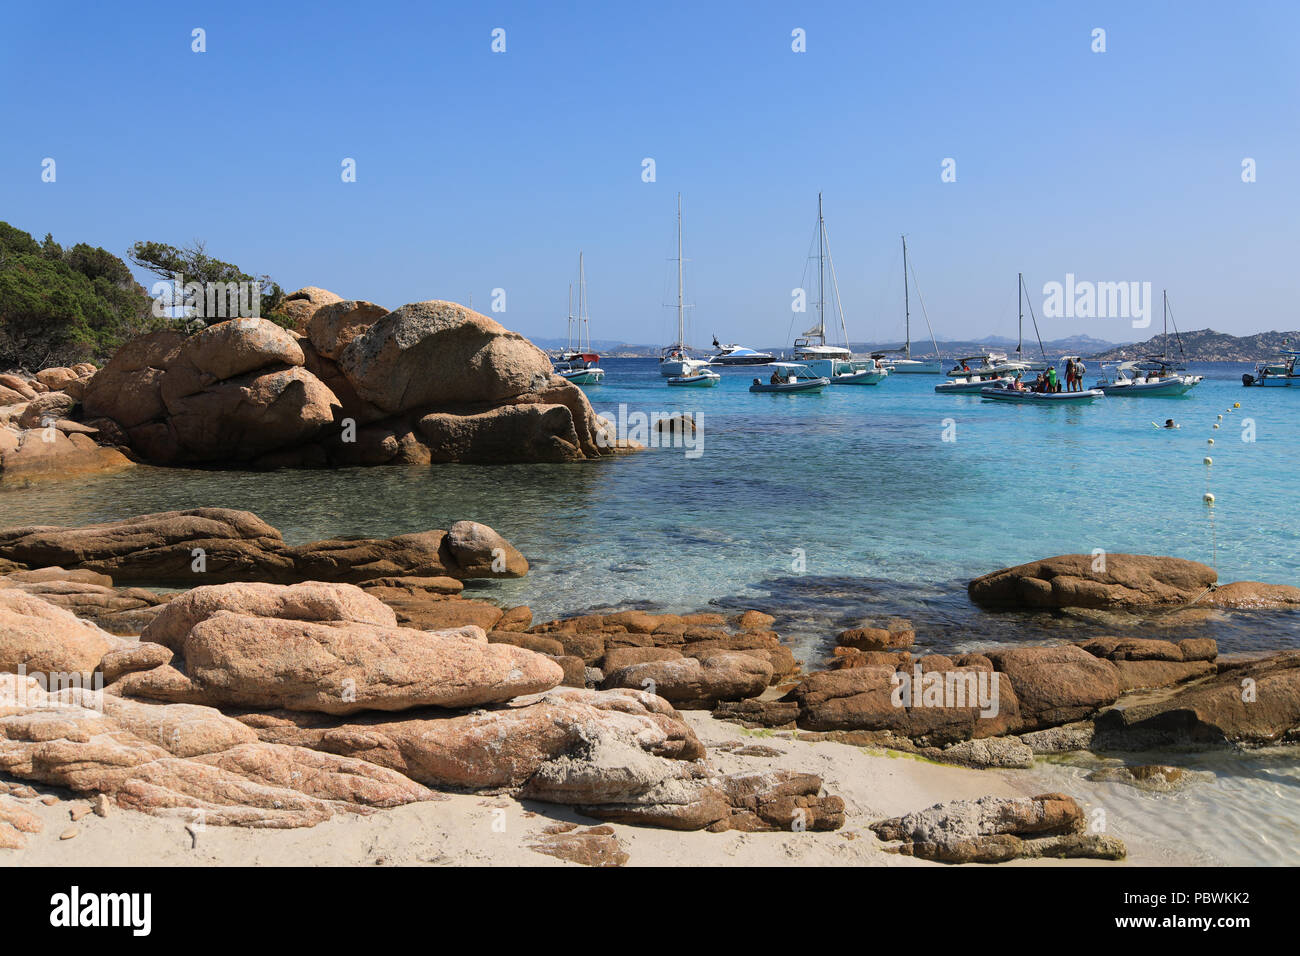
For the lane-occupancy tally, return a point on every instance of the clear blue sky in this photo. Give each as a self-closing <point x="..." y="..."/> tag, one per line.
<point x="479" y="170"/>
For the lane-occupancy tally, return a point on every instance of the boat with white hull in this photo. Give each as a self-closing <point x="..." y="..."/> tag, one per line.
<point x="785" y="378"/>
<point x="738" y="355"/>
<point x="832" y="362"/>
<point x="906" y="365"/>
<point x="1280" y="373"/>
<point x="1025" y="396"/>
<point x="972" y="385"/>
<point x="1129" y="380"/>
<point x="702" y="379"/>
<point x="581" y="366"/>
<point x="676" y="361"/>
<point x="1156" y="375"/>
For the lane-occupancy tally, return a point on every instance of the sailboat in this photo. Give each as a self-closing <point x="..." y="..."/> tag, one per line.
<point x="580" y="366"/>
<point x="908" y="365"/>
<point x="675" y="360"/>
<point x="1155" y="375"/>
<point x="831" y="361"/>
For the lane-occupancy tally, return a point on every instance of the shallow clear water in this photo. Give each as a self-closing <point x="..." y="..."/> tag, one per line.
<point x="1246" y="814"/>
<point x="887" y="516"/>
<point x="822" y="508"/>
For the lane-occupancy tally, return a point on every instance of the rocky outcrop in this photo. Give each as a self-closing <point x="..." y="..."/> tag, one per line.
<point x="55" y="450"/>
<point x="1056" y="685"/>
<point x="301" y="306"/>
<point x="1254" y="703"/>
<point x="39" y="637"/>
<point x="189" y="763"/>
<point x="1082" y="580"/>
<point x="693" y="683"/>
<point x="996" y="829"/>
<point x="328" y="648"/>
<point x="355" y="384"/>
<point x="947" y="703"/>
<point x="90" y="596"/>
<point x="217" y="545"/>
<point x="263" y="705"/>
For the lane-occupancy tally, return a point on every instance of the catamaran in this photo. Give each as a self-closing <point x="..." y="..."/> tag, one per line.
<point x="831" y="362"/>
<point x="908" y="365"/>
<point x="580" y="366"/>
<point x="675" y="360"/>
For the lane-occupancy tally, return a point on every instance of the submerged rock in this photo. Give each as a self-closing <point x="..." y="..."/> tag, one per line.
<point x="1155" y="778"/>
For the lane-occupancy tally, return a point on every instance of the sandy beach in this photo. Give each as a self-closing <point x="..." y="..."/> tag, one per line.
<point x="478" y="830"/>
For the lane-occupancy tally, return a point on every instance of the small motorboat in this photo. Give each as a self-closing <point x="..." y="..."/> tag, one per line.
<point x="1154" y="378"/>
<point x="1280" y="373"/>
<point x="591" y="375"/>
<point x="1025" y="396"/>
<point x="701" y="379"/>
<point x="974" y="384"/>
<point x="786" y="379"/>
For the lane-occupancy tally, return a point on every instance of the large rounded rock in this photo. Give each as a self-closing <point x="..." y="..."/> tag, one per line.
<point x="333" y="327"/>
<point x="43" y="638"/>
<point x="511" y="433"/>
<point x="237" y="346"/>
<point x="129" y="388"/>
<point x="299" y="306"/>
<point x="46" y="409"/>
<point x="480" y="552"/>
<point x="434" y="353"/>
<point x="1082" y="580"/>
<point x="694" y="684"/>
<point x="1057" y="685"/>
<point x="309" y="601"/>
<point x="242" y="418"/>
<point x="234" y="659"/>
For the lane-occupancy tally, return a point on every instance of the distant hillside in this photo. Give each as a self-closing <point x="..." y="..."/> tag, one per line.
<point x="1206" y="345"/>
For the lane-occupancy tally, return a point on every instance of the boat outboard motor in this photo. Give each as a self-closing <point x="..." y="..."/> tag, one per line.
<point x="1248" y="379"/>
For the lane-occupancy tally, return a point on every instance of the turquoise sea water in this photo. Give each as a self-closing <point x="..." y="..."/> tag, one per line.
<point x="887" y="516"/>
<point x="823" y="508"/>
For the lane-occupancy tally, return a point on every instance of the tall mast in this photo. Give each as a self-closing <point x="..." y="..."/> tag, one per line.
<point x="570" y="348"/>
<point x="907" y="314"/>
<point x="681" y="319"/>
<point x="1164" y="294"/>
<point x="582" y="302"/>
<point x="1020" y="303"/>
<point x="821" y="270"/>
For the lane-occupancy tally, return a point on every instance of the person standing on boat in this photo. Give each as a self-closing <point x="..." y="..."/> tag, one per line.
<point x="1079" y="371"/>
<point x="1053" y="384"/>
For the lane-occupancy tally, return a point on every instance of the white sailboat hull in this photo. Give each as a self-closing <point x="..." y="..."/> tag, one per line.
<point x="675" y="368"/>
<point x="915" y="367"/>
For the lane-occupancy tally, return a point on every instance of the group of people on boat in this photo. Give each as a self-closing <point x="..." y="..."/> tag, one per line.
<point x="1048" y="382"/>
<point x="1044" y="383"/>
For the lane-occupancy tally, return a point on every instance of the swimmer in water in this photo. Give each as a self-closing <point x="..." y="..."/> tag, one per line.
<point x="1169" y="423"/>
